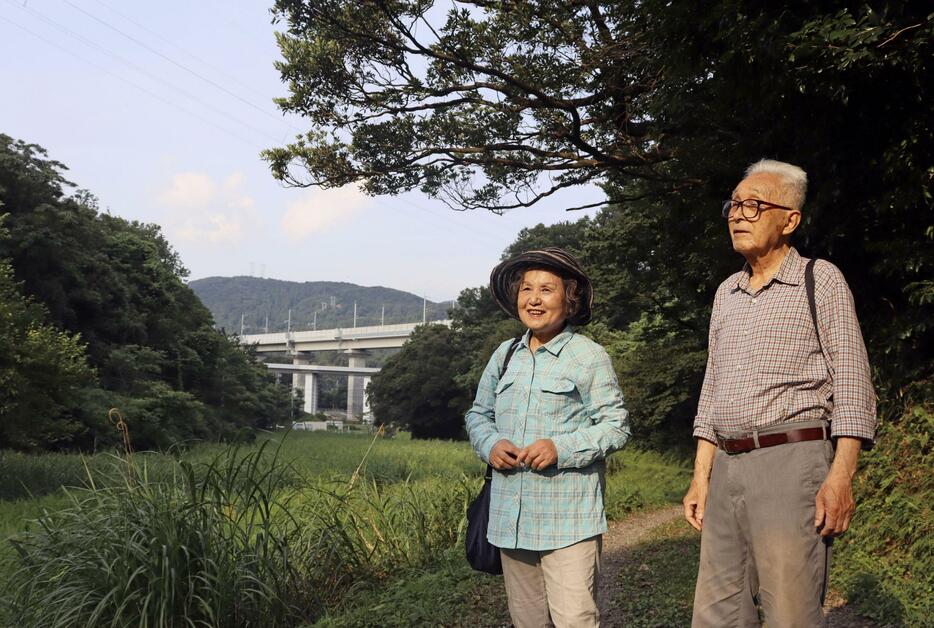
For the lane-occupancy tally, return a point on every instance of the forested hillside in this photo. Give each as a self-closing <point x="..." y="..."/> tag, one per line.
<point x="328" y="304"/>
<point x="94" y="314"/>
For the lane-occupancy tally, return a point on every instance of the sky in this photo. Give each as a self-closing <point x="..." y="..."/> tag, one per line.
<point x="161" y="111"/>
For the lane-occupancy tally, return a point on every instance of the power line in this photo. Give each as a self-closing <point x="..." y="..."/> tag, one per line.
<point x="134" y="84"/>
<point x="436" y="217"/>
<point x="139" y="69"/>
<point x="182" y="49"/>
<point x="173" y="61"/>
<point x="488" y="236"/>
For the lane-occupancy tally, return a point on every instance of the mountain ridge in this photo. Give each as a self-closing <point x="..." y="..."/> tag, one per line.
<point x="264" y="303"/>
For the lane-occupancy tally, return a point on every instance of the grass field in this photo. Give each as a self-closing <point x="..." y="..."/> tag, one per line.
<point x="338" y="530"/>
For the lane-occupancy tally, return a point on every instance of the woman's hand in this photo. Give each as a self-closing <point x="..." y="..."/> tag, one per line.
<point x="503" y="455"/>
<point x="539" y="455"/>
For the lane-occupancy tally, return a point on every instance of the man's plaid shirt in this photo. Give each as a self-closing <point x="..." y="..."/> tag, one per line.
<point x="567" y="391"/>
<point x="764" y="364"/>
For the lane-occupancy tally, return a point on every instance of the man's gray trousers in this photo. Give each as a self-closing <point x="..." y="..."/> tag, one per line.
<point x="759" y="539"/>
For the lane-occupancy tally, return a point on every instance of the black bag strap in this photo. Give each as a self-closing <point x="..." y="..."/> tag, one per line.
<point x="812" y="305"/>
<point x="512" y="349"/>
<point x="502" y="371"/>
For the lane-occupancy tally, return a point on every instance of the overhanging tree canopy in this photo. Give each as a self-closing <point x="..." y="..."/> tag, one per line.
<point x="491" y="105"/>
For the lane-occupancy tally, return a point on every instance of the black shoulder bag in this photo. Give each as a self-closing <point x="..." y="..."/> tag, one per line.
<point x="481" y="554"/>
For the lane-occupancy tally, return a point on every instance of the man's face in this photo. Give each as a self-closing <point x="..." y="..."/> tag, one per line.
<point x="756" y="238"/>
<point x="541" y="303"/>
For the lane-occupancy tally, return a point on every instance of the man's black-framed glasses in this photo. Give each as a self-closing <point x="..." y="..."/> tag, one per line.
<point x="750" y="207"/>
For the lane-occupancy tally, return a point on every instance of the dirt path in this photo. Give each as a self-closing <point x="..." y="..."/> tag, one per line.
<point x="625" y="534"/>
<point x="622" y="536"/>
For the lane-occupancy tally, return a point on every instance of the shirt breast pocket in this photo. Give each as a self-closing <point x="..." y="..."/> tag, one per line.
<point x="784" y="348"/>
<point x="560" y="400"/>
<point x="505" y="403"/>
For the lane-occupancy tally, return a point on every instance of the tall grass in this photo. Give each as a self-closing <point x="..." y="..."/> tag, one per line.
<point x="311" y="454"/>
<point x="639" y="480"/>
<point x="273" y="534"/>
<point x="207" y="550"/>
<point x="244" y="538"/>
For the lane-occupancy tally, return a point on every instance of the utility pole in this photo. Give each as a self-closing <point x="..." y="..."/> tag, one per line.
<point x="382" y="317"/>
<point x="314" y="324"/>
<point x="267" y="323"/>
<point x="241" y="324"/>
<point x="424" y="310"/>
<point x="355" y="314"/>
<point x="289" y="322"/>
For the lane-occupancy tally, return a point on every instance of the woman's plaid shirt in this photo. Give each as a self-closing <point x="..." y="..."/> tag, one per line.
<point x="567" y="392"/>
<point x="764" y="364"/>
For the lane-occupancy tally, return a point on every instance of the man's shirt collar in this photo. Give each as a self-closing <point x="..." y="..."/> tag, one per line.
<point x="791" y="272"/>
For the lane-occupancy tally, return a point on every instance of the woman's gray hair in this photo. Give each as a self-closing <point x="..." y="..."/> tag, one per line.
<point x="794" y="179"/>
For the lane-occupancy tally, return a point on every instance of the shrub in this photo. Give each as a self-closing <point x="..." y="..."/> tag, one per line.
<point x="188" y="551"/>
<point x="884" y="563"/>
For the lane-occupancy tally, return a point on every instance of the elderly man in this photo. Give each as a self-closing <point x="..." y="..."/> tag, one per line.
<point x="786" y="405"/>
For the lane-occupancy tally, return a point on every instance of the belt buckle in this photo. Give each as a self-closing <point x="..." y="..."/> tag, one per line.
<point x="722" y="443"/>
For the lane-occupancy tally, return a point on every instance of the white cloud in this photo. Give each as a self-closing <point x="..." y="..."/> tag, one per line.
<point x="241" y="202"/>
<point x="320" y="210"/>
<point x="205" y="211"/>
<point x="233" y="197"/>
<point x="189" y="190"/>
<point x="216" y="229"/>
<point x="233" y="181"/>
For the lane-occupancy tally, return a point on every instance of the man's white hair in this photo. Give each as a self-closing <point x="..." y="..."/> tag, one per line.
<point x="794" y="179"/>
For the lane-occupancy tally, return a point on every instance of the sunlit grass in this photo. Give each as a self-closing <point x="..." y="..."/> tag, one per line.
<point x="272" y="533"/>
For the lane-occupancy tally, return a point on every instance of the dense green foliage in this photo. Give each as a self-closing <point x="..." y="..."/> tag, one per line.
<point x="884" y="563"/>
<point x="109" y="293"/>
<point x="842" y="92"/>
<point x="271" y="534"/>
<point x="42" y="371"/>
<point x="255" y="299"/>
<point x="416" y="388"/>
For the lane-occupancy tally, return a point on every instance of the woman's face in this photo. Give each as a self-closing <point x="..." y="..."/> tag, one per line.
<point x="542" y="306"/>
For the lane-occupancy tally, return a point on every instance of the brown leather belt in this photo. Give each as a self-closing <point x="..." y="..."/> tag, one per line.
<point x="758" y="441"/>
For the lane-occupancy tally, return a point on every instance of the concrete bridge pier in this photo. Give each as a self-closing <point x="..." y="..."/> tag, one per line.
<point x="298" y="380"/>
<point x="311" y="393"/>
<point x="356" y="384"/>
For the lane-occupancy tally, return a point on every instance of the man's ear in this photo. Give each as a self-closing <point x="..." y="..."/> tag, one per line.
<point x="794" y="219"/>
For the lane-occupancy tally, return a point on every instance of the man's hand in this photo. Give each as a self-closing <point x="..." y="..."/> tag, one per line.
<point x="503" y="455"/>
<point x="539" y="455"/>
<point x="695" y="501"/>
<point x="834" y="505"/>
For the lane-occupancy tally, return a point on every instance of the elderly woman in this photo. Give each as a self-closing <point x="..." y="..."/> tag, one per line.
<point x="546" y="426"/>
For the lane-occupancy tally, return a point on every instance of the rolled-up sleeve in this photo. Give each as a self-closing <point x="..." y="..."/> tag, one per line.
<point x="703" y="427"/>
<point x="481" y="418"/>
<point x="854" y="398"/>
<point x="610" y="420"/>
